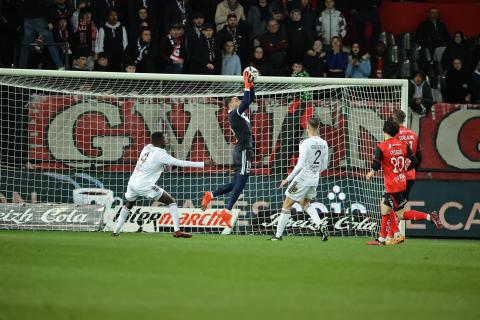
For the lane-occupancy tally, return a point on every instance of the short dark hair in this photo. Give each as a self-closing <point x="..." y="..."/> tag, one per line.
<point x="110" y="11"/>
<point x="314" y="122"/>
<point x="399" y="116"/>
<point x="130" y="63"/>
<point x="390" y="127"/>
<point x="83" y="12"/>
<point x="419" y="73"/>
<point x="157" y="138"/>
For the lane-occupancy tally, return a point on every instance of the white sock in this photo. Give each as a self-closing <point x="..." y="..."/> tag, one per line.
<point x="397" y="234"/>
<point x="313" y="214"/>
<point x="175" y="216"/>
<point x="282" y="222"/>
<point x="121" y="219"/>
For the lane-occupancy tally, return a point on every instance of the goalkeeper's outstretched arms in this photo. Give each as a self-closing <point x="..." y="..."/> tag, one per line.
<point x="248" y="92"/>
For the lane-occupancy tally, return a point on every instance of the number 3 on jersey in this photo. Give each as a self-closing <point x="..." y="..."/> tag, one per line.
<point x="398" y="164"/>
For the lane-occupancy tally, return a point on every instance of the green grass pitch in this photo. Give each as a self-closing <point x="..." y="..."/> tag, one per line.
<point x="61" y="275"/>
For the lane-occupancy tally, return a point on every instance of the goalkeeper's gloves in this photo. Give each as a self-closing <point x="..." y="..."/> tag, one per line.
<point x="247" y="80"/>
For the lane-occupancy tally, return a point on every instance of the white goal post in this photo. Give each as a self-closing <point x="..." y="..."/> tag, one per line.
<point x="72" y="137"/>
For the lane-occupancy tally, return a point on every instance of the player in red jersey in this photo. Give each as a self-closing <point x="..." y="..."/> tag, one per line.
<point x="410" y="137"/>
<point x="392" y="155"/>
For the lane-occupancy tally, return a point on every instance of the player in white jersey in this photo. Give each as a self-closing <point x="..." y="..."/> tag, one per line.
<point x="142" y="183"/>
<point x="303" y="180"/>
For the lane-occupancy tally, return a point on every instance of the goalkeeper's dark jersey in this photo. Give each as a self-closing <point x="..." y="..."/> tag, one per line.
<point x="240" y="123"/>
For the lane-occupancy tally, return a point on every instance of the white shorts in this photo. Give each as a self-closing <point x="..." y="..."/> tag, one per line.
<point x="297" y="192"/>
<point x="153" y="192"/>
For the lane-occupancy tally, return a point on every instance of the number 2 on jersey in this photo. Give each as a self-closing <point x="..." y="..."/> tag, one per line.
<point x="318" y="153"/>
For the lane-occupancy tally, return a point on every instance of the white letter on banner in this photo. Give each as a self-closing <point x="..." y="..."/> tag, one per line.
<point x="61" y="141"/>
<point x="471" y="218"/>
<point x="443" y="209"/>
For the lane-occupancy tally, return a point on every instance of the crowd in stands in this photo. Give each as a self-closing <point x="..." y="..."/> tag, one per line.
<point x="278" y="37"/>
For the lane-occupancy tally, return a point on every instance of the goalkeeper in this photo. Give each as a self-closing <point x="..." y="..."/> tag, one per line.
<point x="243" y="151"/>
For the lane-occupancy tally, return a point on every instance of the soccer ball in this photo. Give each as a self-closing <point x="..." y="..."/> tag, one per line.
<point x="253" y="73"/>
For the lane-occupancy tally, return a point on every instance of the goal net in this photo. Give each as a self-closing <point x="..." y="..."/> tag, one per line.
<point x="74" y="138"/>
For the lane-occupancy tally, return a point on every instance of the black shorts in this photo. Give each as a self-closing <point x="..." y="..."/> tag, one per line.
<point x="406" y="193"/>
<point x="396" y="200"/>
<point x="242" y="161"/>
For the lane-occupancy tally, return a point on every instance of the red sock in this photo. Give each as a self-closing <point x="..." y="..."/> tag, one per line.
<point x="393" y="223"/>
<point x="383" y="226"/>
<point x="414" y="215"/>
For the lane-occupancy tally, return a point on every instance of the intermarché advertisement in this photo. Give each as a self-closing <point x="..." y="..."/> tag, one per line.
<point x="458" y="202"/>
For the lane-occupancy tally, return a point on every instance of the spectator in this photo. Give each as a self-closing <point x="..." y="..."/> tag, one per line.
<point x="35" y="23"/>
<point x="432" y="33"/>
<point x="297" y="36"/>
<point x="308" y="18"/>
<point x="102" y="63"/>
<point x="176" y="11"/>
<point x="144" y="13"/>
<point x="235" y="33"/>
<point x="315" y="61"/>
<point x="299" y="71"/>
<point x="83" y="63"/>
<point x="337" y="59"/>
<point x="260" y="63"/>
<point x="331" y="23"/>
<point x="226" y="7"/>
<point x="476" y="85"/>
<point x="62" y="39"/>
<point x="38" y="55"/>
<point x="458" y="84"/>
<point x="141" y="52"/>
<point x="112" y="40"/>
<point x="257" y="18"/>
<point x="204" y="61"/>
<point x="275" y="45"/>
<point x="130" y="67"/>
<point x="460" y="49"/>
<point x="172" y="50"/>
<point x="364" y="11"/>
<point x="59" y="10"/>
<point x="195" y="31"/>
<point x="359" y="65"/>
<point x="279" y="17"/>
<point x="382" y="67"/>
<point x="231" y="65"/>
<point x="76" y="16"/>
<point x="192" y="35"/>
<point x="141" y="21"/>
<point x="207" y="7"/>
<point x="420" y="97"/>
<point x="86" y="33"/>
<point x="101" y="9"/>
